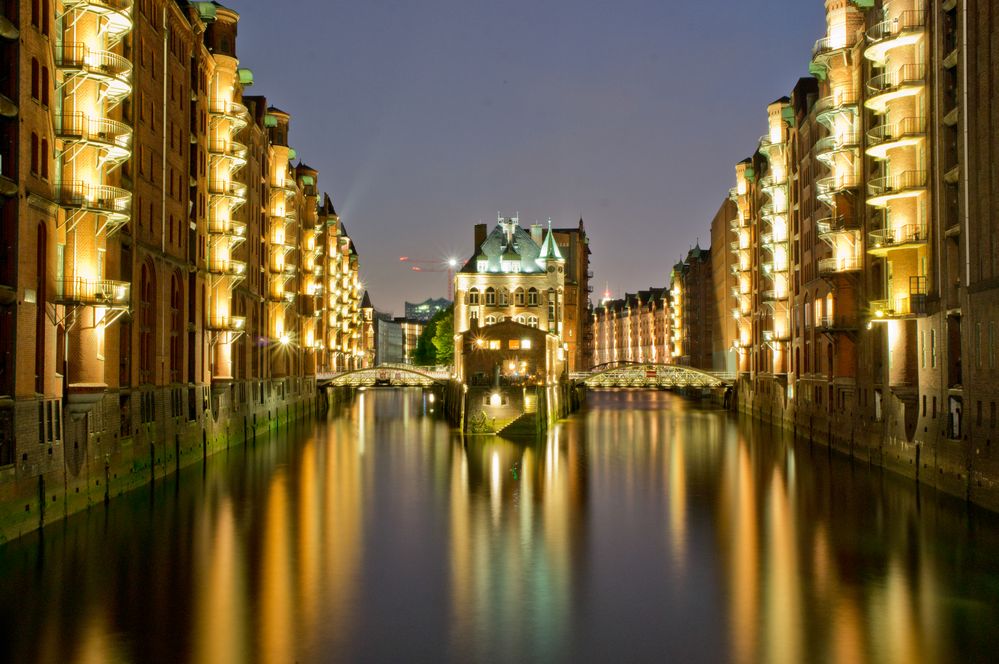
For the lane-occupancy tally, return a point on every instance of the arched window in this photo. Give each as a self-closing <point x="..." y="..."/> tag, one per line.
<point x="520" y="319"/>
<point x="176" y="328"/>
<point x="532" y="321"/>
<point x="532" y="297"/>
<point x="490" y="320"/>
<point x="518" y="297"/>
<point x="551" y="306"/>
<point x="504" y="297"/>
<point x="473" y="296"/>
<point x="490" y="297"/>
<point x="147" y="322"/>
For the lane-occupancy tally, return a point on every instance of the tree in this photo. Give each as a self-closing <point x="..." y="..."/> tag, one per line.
<point x="427" y="351"/>
<point x="444" y="337"/>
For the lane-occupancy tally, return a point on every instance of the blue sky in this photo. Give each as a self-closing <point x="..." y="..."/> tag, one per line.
<point x="424" y="118"/>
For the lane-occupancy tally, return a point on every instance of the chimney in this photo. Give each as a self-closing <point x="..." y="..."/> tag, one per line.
<point x="480" y="237"/>
<point x="537" y="234"/>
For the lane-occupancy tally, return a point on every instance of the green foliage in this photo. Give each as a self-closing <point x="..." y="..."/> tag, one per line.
<point x="429" y="350"/>
<point x="444" y="338"/>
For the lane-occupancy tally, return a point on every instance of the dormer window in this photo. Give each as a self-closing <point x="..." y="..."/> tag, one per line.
<point x="481" y="266"/>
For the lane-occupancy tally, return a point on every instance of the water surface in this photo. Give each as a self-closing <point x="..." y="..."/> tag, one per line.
<point x="642" y="529"/>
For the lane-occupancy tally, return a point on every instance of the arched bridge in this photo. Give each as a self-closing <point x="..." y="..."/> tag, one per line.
<point x="652" y="376"/>
<point x="387" y="375"/>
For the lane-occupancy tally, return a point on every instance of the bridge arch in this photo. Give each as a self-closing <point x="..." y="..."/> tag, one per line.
<point x="647" y="375"/>
<point x="388" y="375"/>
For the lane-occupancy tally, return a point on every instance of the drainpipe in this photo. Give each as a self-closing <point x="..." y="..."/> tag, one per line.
<point x="163" y="174"/>
<point x="964" y="105"/>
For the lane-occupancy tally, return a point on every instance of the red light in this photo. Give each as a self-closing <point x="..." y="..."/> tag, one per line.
<point x="402" y="258"/>
<point x="416" y="269"/>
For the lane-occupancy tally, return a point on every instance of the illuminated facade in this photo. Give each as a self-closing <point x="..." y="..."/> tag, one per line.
<point x="635" y="328"/>
<point x="167" y="295"/>
<point x="516" y="275"/>
<point x="864" y="244"/>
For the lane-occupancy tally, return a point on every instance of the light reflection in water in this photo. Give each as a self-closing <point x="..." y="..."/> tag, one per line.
<point x="641" y="528"/>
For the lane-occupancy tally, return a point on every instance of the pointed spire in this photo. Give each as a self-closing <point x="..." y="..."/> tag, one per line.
<point x="549" y="248"/>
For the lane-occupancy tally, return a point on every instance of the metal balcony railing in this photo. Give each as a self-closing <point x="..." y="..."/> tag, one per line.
<point x="840" y="265"/>
<point x="227" y="188"/>
<point x="827" y="45"/>
<point x="887" y="238"/>
<point x="231" y="110"/>
<point x="226" y="323"/>
<point x="897" y="131"/>
<point x="110" y="68"/>
<point x="836" y="103"/>
<point x="99" y="198"/>
<point x="231" y="149"/>
<point x="94" y="292"/>
<point x="832" y="185"/>
<point x="228" y="266"/>
<point x="890" y="82"/>
<point x="913" y="20"/>
<point x="114" y="137"/>
<point x="836" y="323"/>
<point x="896" y="184"/>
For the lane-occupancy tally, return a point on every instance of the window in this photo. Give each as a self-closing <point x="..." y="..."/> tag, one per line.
<point x="514" y="344"/>
<point x="34" y="79"/>
<point x="525" y="344"/>
<point x="518" y="297"/>
<point x="176" y="323"/>
<point x="532" y="297"/>
<point x="494" y="344"/>
<point x="922" y="358"/>
<point x="532" y="321"/>
<point x="490" y="320"/>
<point x="933" y="348"/>
<point x="503" y="297"/>
<point x="490" y="297"/>
<point x="147" y="322"/>
<point x="36" y="12"/>
<point x="473" y="296"/>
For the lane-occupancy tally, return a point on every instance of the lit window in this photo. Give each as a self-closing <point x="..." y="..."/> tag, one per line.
<point x="514" y="344"/>
<point x="494" y="344"/>
<point x="526" y="343"/>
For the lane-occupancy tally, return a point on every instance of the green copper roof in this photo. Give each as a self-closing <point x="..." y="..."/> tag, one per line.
<point x="245" y="76"/>
<point x="292" y="154"/>
<point x="270" y="120"/>
<point x="549" y="248"/>
<point x="207" y="10"/>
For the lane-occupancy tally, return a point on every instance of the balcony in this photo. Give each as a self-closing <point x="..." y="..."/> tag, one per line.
<point x="110" y="70"/>
<point x="832" y="106"/>
<point x="905" y="81"/>
<point x="827" y="148"/>
<point x="94" y="292"/>
<point x="229" y="267"/>
<point x="882" y="241"/>
<point x="842" y="265"/>
<point x="904" y="133"/>
<point x="829" y="187"/>
<point x="901" y="307"/>
<point x="235" y="191"/>
<point x="226" y="323"/>
<point x="232" y="111"/>
<point x="112" y="138"/>
<point x="903" y="30"/>
<point x="232" y="151"/>
<point x="830" y="227"/>
<point x="116" y="14"/>
<point x="112" y="202"/>
<point x="836" y="323"/>
<point x="233" y="230"/>
<point x="880" y="191"/>
<point x="768" y="147"/>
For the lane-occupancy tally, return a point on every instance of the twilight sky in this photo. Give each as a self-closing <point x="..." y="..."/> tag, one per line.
<point x="426" y="117"/>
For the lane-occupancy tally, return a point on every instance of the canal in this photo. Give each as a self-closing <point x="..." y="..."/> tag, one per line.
<point x="643" y="528"/>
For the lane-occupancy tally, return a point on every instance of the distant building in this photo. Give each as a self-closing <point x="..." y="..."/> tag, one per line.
<point x="411" y="331"/>
<point x="635" y="328"/>
<point x="424" y="311"/>
<point x="574" y="245"/>
<point x="692" y="292"/>
<point x="388" y="341"/>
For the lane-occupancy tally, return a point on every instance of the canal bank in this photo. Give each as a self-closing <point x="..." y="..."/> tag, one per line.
<point x="891" y="429"/>
<point x="133" y="437"/>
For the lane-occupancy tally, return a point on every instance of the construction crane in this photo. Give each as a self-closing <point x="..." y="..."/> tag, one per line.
<point x="447" y="265"/>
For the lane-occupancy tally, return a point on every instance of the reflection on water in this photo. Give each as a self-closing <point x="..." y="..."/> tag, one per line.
<point x="641" y="528"/>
